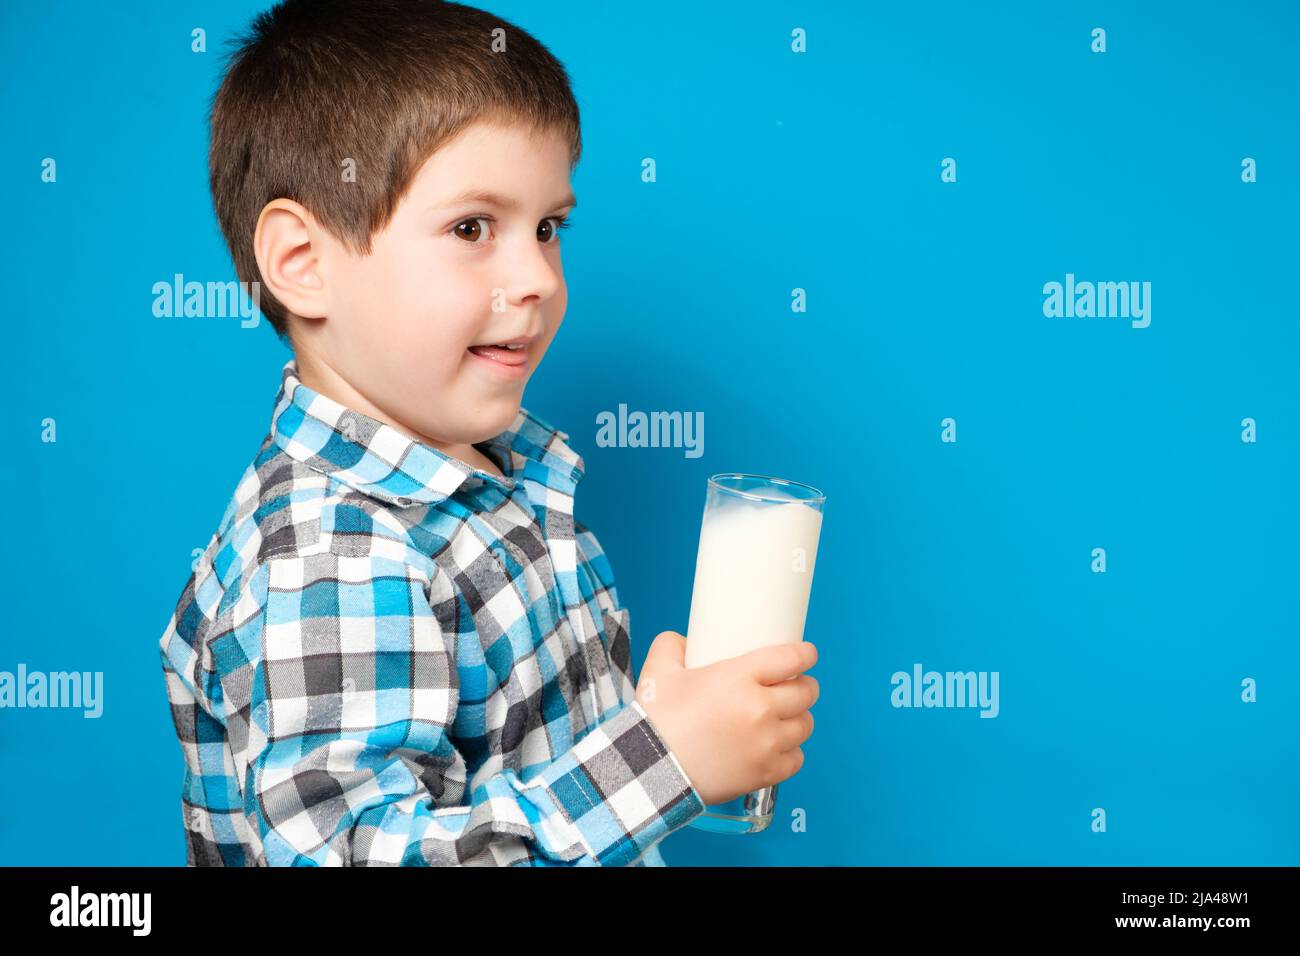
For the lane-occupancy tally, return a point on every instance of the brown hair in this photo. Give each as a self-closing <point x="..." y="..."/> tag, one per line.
<point x="384" y="83"/>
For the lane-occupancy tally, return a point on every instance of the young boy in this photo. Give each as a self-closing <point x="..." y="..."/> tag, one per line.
<point x="400" y="647"/>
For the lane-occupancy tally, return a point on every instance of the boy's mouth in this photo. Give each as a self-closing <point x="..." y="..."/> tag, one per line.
<point x="509" y="355"/>
<point x="502" y="354"/>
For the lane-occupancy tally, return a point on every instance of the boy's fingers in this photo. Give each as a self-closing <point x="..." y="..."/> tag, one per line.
<point x="791" y="698"/>
<point x="771" y="665"/>
<point x="795" y="731"/>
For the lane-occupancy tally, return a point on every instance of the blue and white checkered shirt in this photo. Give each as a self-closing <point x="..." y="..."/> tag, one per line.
<point x="388" y="657"/>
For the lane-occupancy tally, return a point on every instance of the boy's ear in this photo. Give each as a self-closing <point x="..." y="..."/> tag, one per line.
<point x="288" y="259"/>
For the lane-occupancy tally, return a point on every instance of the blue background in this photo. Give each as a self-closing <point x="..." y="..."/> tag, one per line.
<point x="776" y="171"/>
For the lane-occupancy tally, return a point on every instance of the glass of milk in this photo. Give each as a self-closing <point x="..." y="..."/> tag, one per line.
<point x="753" y="576"/>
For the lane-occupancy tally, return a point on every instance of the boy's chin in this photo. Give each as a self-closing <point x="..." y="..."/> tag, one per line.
<point x="503" y="410"/>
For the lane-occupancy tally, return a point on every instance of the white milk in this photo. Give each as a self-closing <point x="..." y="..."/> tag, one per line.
<point x="753" y="574"/>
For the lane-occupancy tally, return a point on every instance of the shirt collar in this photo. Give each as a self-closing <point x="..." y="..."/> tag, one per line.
<point x="378" y="460"/>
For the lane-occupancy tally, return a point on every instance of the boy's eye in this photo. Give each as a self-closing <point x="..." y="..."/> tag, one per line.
<point x="549" y="234"/>
<point x="473" y="232"/>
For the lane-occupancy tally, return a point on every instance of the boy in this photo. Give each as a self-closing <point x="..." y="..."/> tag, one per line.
<point x="400" y="647"/>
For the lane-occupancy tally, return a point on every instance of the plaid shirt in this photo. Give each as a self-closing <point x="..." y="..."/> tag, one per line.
<point x="387" y="657"/>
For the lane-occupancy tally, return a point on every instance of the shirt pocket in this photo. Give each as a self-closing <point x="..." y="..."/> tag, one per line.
<point x="618" y="644"/>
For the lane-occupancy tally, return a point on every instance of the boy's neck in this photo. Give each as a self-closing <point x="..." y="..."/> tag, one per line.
<point x="320" y="377"/>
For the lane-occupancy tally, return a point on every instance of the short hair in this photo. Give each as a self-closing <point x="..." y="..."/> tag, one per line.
<point x="384" y="83"/>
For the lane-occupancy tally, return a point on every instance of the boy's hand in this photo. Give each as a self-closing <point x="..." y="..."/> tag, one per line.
<point x="734" y="725"/>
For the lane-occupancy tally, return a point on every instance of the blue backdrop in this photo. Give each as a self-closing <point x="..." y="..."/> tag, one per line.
<point x="1161" y="690"/>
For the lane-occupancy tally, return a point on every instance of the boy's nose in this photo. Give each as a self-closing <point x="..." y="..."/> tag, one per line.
<point x="532" y="274"/>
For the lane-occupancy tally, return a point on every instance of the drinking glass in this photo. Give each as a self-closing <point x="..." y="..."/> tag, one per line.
<point x="753" y="577"/>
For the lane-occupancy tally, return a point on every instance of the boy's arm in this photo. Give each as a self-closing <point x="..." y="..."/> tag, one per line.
<point x="352" y="700"/>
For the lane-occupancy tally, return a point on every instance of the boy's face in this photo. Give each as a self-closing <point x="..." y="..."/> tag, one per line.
<point x="448" y="273"/>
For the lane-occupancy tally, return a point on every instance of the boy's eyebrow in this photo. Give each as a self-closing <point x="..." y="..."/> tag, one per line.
<point x="502" y="202"/>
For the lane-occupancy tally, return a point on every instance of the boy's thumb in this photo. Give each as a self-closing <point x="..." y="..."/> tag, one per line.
<point x="667" y="650"/>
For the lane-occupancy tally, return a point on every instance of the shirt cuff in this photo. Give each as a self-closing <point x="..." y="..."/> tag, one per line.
<point x="622" y="788"/>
